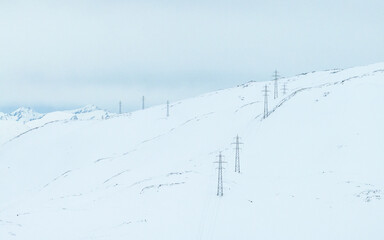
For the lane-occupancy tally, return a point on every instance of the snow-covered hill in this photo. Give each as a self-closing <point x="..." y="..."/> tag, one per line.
<point x="312" y="170"/>
<point x="22" y="115"/>
<point x="25" y="119"/>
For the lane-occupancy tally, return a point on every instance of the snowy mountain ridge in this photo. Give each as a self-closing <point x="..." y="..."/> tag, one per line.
<point x="26" y="114"/>
<point x="22" y="114"/>
<point x="86" y="109"/>
<point x="25" y="119"/>
<point x="312" y="169"/>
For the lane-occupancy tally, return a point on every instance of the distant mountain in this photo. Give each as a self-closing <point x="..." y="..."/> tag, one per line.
<point x="86" y="109"/>
<point x="25" y="119"/>
<point x="22" y="114"/>
<point x="90" y="112"/>
<point x="25" y="114"/>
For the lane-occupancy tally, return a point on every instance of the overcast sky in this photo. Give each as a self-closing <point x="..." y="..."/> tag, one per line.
<point x="65" y="54"/>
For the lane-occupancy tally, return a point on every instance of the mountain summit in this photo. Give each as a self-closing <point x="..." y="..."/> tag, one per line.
<point x="22" y="114"/>
<point x="86" y="109"/>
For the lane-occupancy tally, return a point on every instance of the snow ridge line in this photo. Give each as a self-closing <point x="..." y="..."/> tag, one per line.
<point x="116" y="175"/>
<point x="30" y="130"/>
<point x="318" y="86"/>
<point x="153" y="138"/>
<point x="56" y="178"/>
<point x="160" y="185"/>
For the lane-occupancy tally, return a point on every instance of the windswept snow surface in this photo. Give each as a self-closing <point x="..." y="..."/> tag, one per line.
<point x="312" y="170"/>
<point x="23" y="120"/>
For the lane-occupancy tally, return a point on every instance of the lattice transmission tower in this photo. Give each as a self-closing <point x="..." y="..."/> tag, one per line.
<point x="276" y="91"/>
<point x="220" y="168"/>
<point x="265" y="101"/>
<point x="237" y="144"/>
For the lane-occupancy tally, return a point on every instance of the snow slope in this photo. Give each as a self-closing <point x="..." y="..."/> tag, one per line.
<point x="312" y="170"/>
<point x="25" y="119"/>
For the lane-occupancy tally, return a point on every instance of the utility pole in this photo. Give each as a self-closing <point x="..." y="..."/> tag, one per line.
<point x="237" y="154"/>
<point x="167" y="108"/>
<point x="285" y="88"/>
<point x="265" y="101"/>
<point x="120" y="107"/>
<point x="220" y="192"/>
<point x="143" y="106"/>
<point x="276" y="92"/>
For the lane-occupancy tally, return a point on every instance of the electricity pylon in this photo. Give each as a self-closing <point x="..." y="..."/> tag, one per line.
<point x="143" y="106"/>
<point x="237" y="154"/>
<point x="220" y="191"/>
<point x="276" y="92"/>
<point x="120" y="107"/>
<point x="265" y="101"/>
